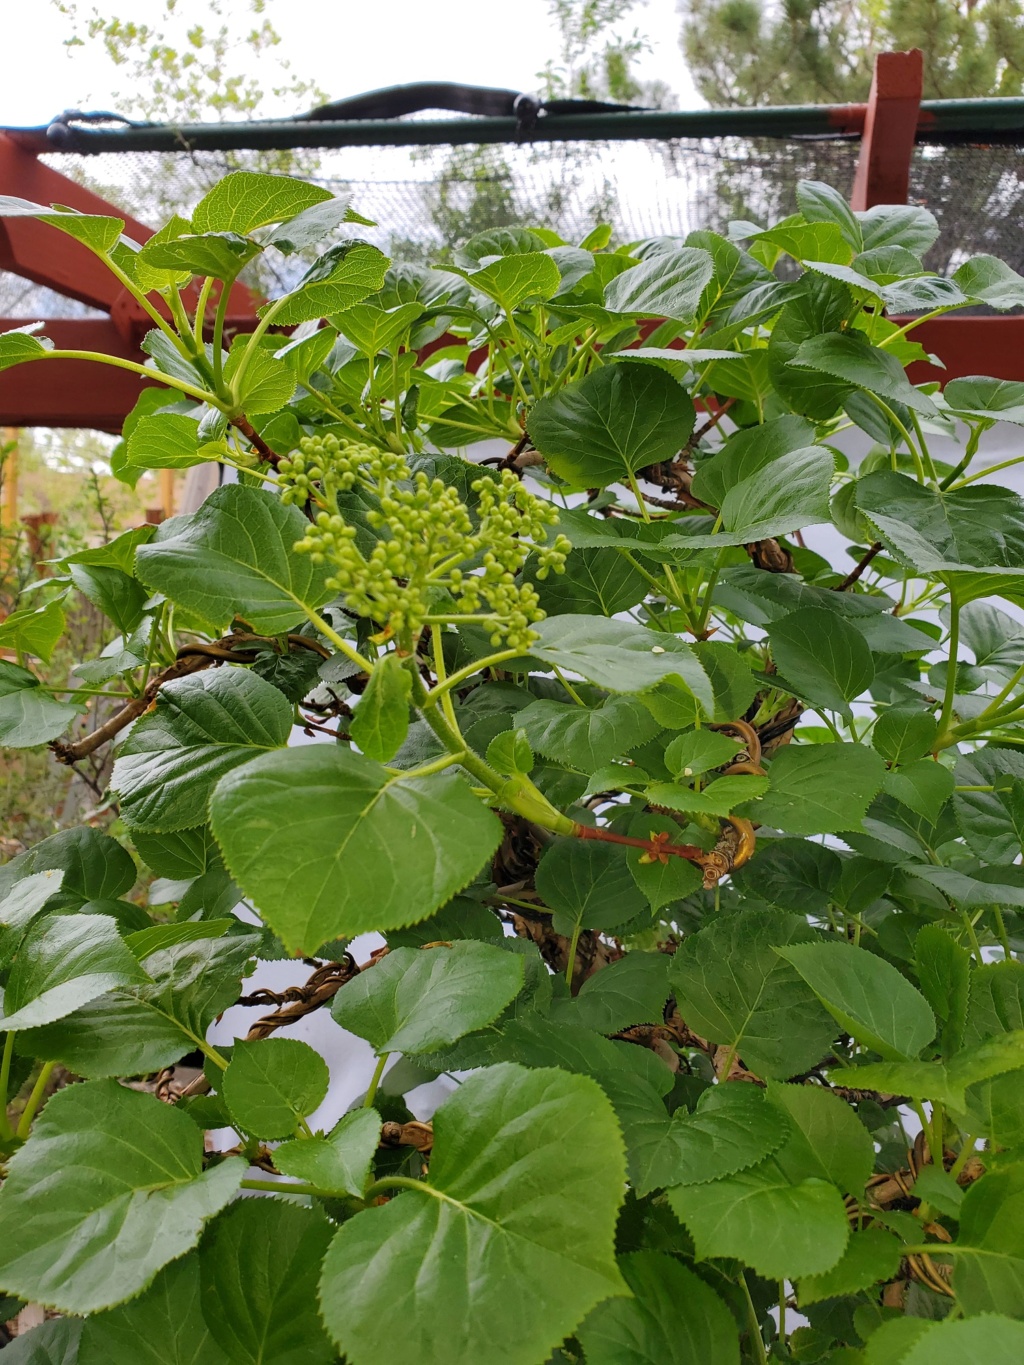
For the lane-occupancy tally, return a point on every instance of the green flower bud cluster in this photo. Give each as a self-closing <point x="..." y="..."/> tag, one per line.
<point x="428" y="548"/>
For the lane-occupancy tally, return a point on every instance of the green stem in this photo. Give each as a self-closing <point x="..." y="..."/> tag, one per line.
<point x="251" y="346"/>
<point x="916" y="322"/>
<point x="753" y="1326"/>
<point x="990" y="469"/>
<point x="336" y="640"/>
<point x="573" y="945"/>
<point x="199" y="321"/>
<point x="208" y="1050"/>
<point x="5" y="1080"/>
<point x="568" y="685"/>
<point x="923" y="444"/>
<point x="459" y="677"/>
<point x="975" y="945"/>
<point x="371" y="1093"/>
<point x="217" y="340"/>
<point x="35" y="1099"/>
<point x="954" y="650"/>
<point x="670" y="577"/>
<point x="290" y="1187"/>
<point x="1001" y="931"/>
<point x="918" y="465"/>
<point x="437" y="766"/>
<point x="929" y="1129"/>
<point x="973" y="441"/>
<point x="437" y="649"/>
<point x="191" y="389"/>
<point x="782" y="1312"/>
<point x="391" y="1182"/>
<point x="964" y="1155"/>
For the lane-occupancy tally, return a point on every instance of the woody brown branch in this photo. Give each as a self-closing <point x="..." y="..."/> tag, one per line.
<point x="238" y="648"/>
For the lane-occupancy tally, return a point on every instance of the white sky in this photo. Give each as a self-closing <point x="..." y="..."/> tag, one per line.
<point x="346" y="46"/>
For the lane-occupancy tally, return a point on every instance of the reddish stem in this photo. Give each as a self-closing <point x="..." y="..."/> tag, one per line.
<point x="655" y="848"/>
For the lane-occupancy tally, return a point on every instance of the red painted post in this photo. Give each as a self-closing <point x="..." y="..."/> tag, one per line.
<point x="883" y="169"/>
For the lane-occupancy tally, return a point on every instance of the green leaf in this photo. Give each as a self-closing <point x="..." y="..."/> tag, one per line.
<point x="988" y="1272"/>
<point x="992" y="822"/>
<point x="245" y="200"/>
<point x="375" y="329"/>
<point x="791" y="493"/>
<point x="820" y="203"/>
<point x="148" y="277"/>
<point x="988" y="280"/>
<point x="979" y="529"/>
<point x="620" y="656"/>
<point x="163" y="1326"/>
<point x="698" y="751"/>
<point x="902" y="735"/>
<point x="815" y="241"/>
<point x="34" y="631"/>
<point x="996" y="1001"/>
<point x="234" y="557"/>
<point x="510" y="752"/>
<point x="746" y="452"/>
<point x="201" y="728"/>
<point x="673" y="1318"/>
<point x="340" y="1162"/>
<point x="587" y="884"/>
<point x="272" y="1083"/>
<point x="64" y="962"/>
<point x="617" y="420"/>
<point x="792" y="874"/>
<point x="260" y="1263"/>
<point x="180" y="855"/>
<point x="54" y="1343"/>
<point x="1000" y="400"/>
<point x="823" y="656"/>
<point x="460" y="918"/>
<point x="18" y="345"/>
<point x="906" y="225"/>
<point x="596" y="582"/>
<point x="94" y="865"/>
<point x="820" y="788"/>
<point x="266" y="384"/>
<point x="381" y="720"/>
<point x="781" y="1230"/>
<point x="219" y="255"/>
<point x="872" y="1255"/>
<point x="866" y="996"/>
<point x="529" y="276"/>
<point x="96" y="231"/>
<point x="586" y="737"/>
<point x="731" y="1129"/>
<point x="631" y="991"/>
<point x="847" y="356"/>
<point x="720" y="797"/>
<point x="117" y="594"/>
<point x="667" y="285"/>
<point x="944" y="972"/>
<point x="379" y="850"/>
<point x="165" y="440"/>
<point x="28" y="715"/>
<point x="994" y="1340"/>
<point x="661" y="882"/>
<point x="515" y="1226"/>
<point x="423" y="999"/>
<point x="140" y="1029"/>
<point x="940" y="1189"/>
<point x="826" y="1139"/>
<point x="312" y="225"/>
<point x="732" y="989"/>
<point x="117" y="1210"/>
<point x="345" y="275"/>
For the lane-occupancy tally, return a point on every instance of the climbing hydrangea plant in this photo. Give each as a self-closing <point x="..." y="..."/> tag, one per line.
<point x="692" y="844"/>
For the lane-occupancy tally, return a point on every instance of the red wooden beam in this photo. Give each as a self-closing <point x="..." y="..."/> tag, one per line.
<point x="987" y="345"/>
<point x="883" y="168"/>
<point x="71" y="393"/>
